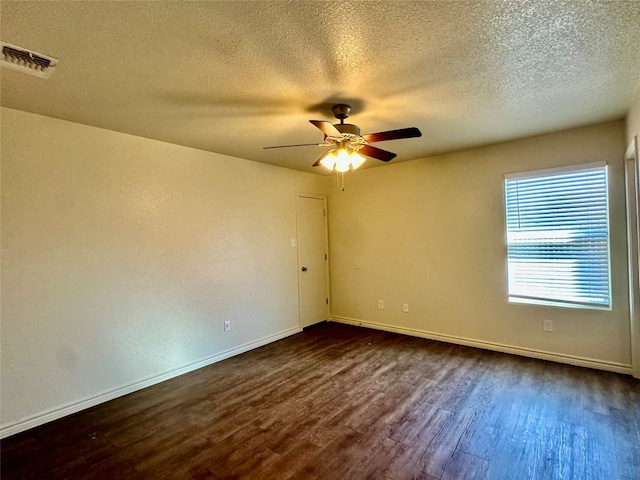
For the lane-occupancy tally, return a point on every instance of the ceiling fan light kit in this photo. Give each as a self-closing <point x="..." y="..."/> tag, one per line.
<point x="341" y="160"/>
<point x="348" y="145"/>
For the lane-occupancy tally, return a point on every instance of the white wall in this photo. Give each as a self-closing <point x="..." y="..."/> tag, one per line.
<point x="122" y="257"/>
<point x="431" y="233"/>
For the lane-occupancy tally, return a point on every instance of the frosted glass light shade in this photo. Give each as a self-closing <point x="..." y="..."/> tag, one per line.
<point x="342" y="161"/>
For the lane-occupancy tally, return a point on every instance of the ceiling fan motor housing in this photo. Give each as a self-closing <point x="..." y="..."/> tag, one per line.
<point x="348" y="128"/>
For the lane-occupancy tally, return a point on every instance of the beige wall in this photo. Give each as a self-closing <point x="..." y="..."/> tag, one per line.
<point x="122" y="257"/>
<point x="430" y="233"/>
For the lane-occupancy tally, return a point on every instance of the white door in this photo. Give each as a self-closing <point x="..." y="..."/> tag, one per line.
<point x="312" y="259"/>
<point x="633" y="238"/>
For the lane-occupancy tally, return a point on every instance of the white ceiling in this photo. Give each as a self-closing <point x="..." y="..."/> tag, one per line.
<point x="232" y="77"/>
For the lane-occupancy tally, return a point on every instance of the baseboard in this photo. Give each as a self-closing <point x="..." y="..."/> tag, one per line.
<point x="54" y="414"/>
<point x="497" y="347"/>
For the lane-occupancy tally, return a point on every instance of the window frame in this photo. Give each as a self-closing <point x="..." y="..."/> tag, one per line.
<point x="548" y="172"/>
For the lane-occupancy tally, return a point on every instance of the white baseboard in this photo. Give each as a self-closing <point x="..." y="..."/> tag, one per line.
<point x="54" y="414"/>
<point x="497" y="347"/>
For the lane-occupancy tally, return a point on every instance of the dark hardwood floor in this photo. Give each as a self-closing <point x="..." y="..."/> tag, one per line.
<point x="340" y="402"/>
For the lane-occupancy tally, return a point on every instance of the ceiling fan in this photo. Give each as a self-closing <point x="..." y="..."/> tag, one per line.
<point x="348" y="145"/>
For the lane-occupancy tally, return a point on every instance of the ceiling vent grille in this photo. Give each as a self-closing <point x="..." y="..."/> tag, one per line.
<point x="35" y="64"/>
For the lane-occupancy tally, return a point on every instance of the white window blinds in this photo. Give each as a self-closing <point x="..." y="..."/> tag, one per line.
<point x="558" y="236"/>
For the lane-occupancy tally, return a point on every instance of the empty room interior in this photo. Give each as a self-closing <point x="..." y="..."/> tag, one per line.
<point x="320" y="240"/>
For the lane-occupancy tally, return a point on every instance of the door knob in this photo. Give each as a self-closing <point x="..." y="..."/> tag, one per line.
<point x="304" y="269"/>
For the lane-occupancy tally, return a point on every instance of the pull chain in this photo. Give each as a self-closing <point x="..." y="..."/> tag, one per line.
<point x="340" y="180"/>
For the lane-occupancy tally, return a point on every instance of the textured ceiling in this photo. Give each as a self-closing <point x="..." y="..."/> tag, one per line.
<point x="232" y="77"/>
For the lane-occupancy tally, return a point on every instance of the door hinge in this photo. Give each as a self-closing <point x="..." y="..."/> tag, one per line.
<point x="326" y="301"/>
<point x="325" y="256"/>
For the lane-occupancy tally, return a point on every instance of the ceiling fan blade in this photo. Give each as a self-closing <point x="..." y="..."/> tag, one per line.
<point x="317" y="164"/>
<point x="377" y="153"/>
<point x="327" y="128"/>
<point x="393" y="135"/>
<point x="298" y="145"/>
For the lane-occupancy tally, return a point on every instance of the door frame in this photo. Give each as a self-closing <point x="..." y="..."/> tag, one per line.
<point x="632" y="188"/>
<point x="327" y="287"/>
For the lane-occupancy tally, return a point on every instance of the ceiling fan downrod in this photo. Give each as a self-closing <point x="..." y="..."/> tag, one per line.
<point x="342" y="111"/>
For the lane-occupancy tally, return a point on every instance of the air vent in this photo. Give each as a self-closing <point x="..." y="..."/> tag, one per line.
<point x="35" y="64"/>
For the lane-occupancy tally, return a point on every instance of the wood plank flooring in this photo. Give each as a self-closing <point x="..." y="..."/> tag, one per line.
<point x="340" y="402"/>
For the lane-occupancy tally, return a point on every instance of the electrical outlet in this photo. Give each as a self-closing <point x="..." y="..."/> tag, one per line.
<point x="381" y="304"/>
<point x="227" y="325"/>
<point x="547" y="325"/>
<point x="405" y="307"/>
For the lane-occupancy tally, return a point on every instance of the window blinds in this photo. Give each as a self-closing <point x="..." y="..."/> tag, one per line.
<point x="558" y="236"/>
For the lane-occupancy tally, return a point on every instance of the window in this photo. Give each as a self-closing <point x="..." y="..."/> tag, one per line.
<point x="558" y="236"/>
